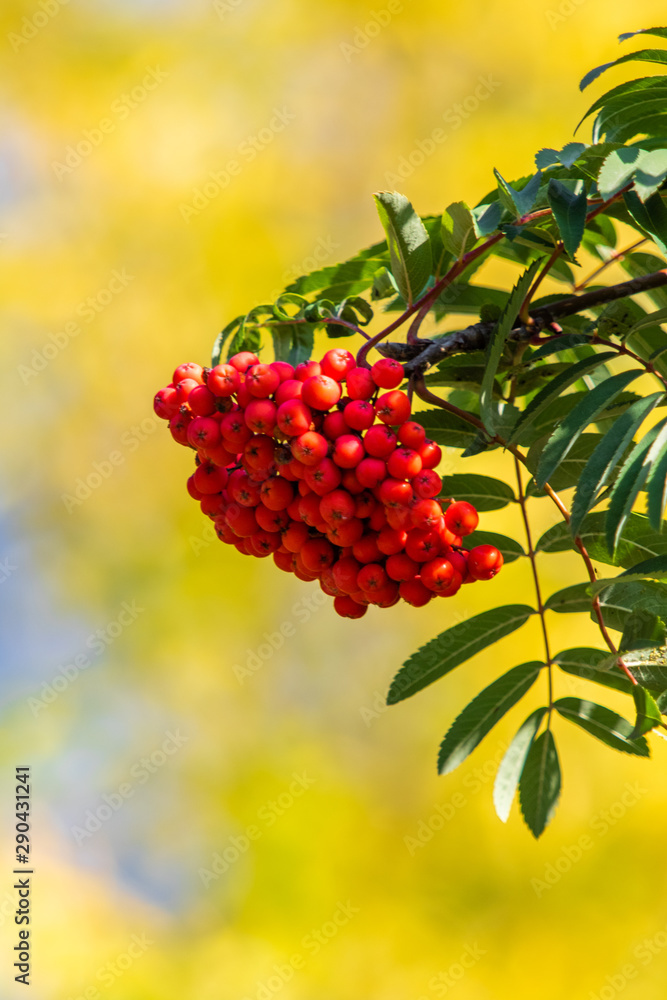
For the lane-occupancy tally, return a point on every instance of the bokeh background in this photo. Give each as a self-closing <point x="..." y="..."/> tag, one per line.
<point x="270" y="807"/>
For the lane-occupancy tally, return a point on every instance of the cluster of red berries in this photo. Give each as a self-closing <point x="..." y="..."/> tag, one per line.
<point x="338" y="488"/>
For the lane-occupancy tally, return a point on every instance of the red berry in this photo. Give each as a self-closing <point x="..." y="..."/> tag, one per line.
<point x="346" y="533"/>
<point x="188" y="370"/>
<point x="393" y="407"/>
<point x="293" y="417"/>
<point x="404" y="463"/>
<point x="345" y="572"/>
<point x="202" y="401"/>
<point x="242" y="521"/>
<point x="415" y="593"/>
<point x="184" y="388"/>
<point x="234" y="430"/>
<point x="203" y="432"/>
<point x="260" y="416"/>
<point x="337" y="363"/>
<point x="324" y="477"/>
<point x="359" y="414"/>
<point x="395" y="493"/>
<point x="243" y="361"/>
<point x="317" y="554"/>
<point x="306" y="370"/>
<point x="295" y="536"/>
<point x="192" y="489"/>
<point x="366" y="550"/>
<point x="461" y="518"/>
<point x="372" y="577"/>
<point x="337" y="506"/>
<point x="352" y="484"/>
<point x="371" y="472"/>
<point x="284" y="561"/>
<point x="412" y="434"/>
<point x="262" y="381"/>
<point x="426" y="514"/>
<point x="430" y="454"/>
<point x="271" y="520"/>
<point x="290" y="389"/>
<point x="166" y="403"/>
<point x="398" y="517"/>
<point x="259" y="452"/>
<point x="379" y="442"/>
<point x="347" y="607"/>
<point x="348" y="451"/>
<point x="284" y="369"/>
<point x="310" y="448"/>
<point x="392" y="540"/>
<point x="387" y="373"/>
<point x="437" y="574"/>
<point x="242" y="489"/>
<point x="321" y="392"/>
<point x="427" y="484"/>
<point x="484" y="561"/>
<point x="359" y="383"/>
<point x="210" y="478"/>
<point x="423" y="545"/>
<point x="334" y="425"/>
<point x="276" y="493"/>
<point x="223" y="380"/>
<point x="263" y="543"/>
<point x="401" y="567"/>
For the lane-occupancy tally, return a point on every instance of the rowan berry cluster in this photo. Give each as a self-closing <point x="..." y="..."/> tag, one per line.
<point x="337" y="488"/>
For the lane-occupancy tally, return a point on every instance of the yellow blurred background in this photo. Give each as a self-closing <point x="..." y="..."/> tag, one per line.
<point x="260" y="826"/>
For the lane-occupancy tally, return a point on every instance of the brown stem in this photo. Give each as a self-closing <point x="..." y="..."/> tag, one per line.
<point x="616" y="256"/>
<point x="536" y="581"/>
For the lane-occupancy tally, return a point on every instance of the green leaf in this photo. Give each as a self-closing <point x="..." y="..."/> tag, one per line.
<point x="606" y="456"/>
<point x="593" y="665"/>
<point x="656" y="485"/>
<point x="483" y="492"/>
<point x="569" y="209"/>
<point x="570" y="152"/>
<point x="605" y="725"/>
<point x="222" y="338"/>
<point x="556" y="345"/>
<point x="384" y="284"/>
<point x="539" y="787"/>
<point x="246" y="338"/>
<point x="662" y="702"/>
<point x="648" y="713"/>
<point x="630" y="480"/>
<point x="618" y="170"/>
<point x="446" y="428"/>
<point x="645" y="55"/>
<point x="458" y="229"/>
<point x="643" y="630"/>
<point x="509" y="548"/>
<point x="655" y="568"/>
<point x="524" y="199"/>
<point x="578" y="419"/>
<point x="552" y="391"/>
<point x="570" y="600"/>
<point x="653" y="319"/>
<point x="480" y="716"/>
<point x="486" y="218"/>
<point x="651" y="216"/>
<point x="651" y="172"/>
<point x="454" y="647"/>
<point x="409" y="243"/>
<point x="512" y="765"/>
<point x="621" y="599"/>
<point x="569" y="471"/>
<point x="639" y="541"/>
<point x="347" y="278"/>
<point x="497" y="342"/>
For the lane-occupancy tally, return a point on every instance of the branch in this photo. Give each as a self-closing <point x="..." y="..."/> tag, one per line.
<point x="423" y="354"/>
